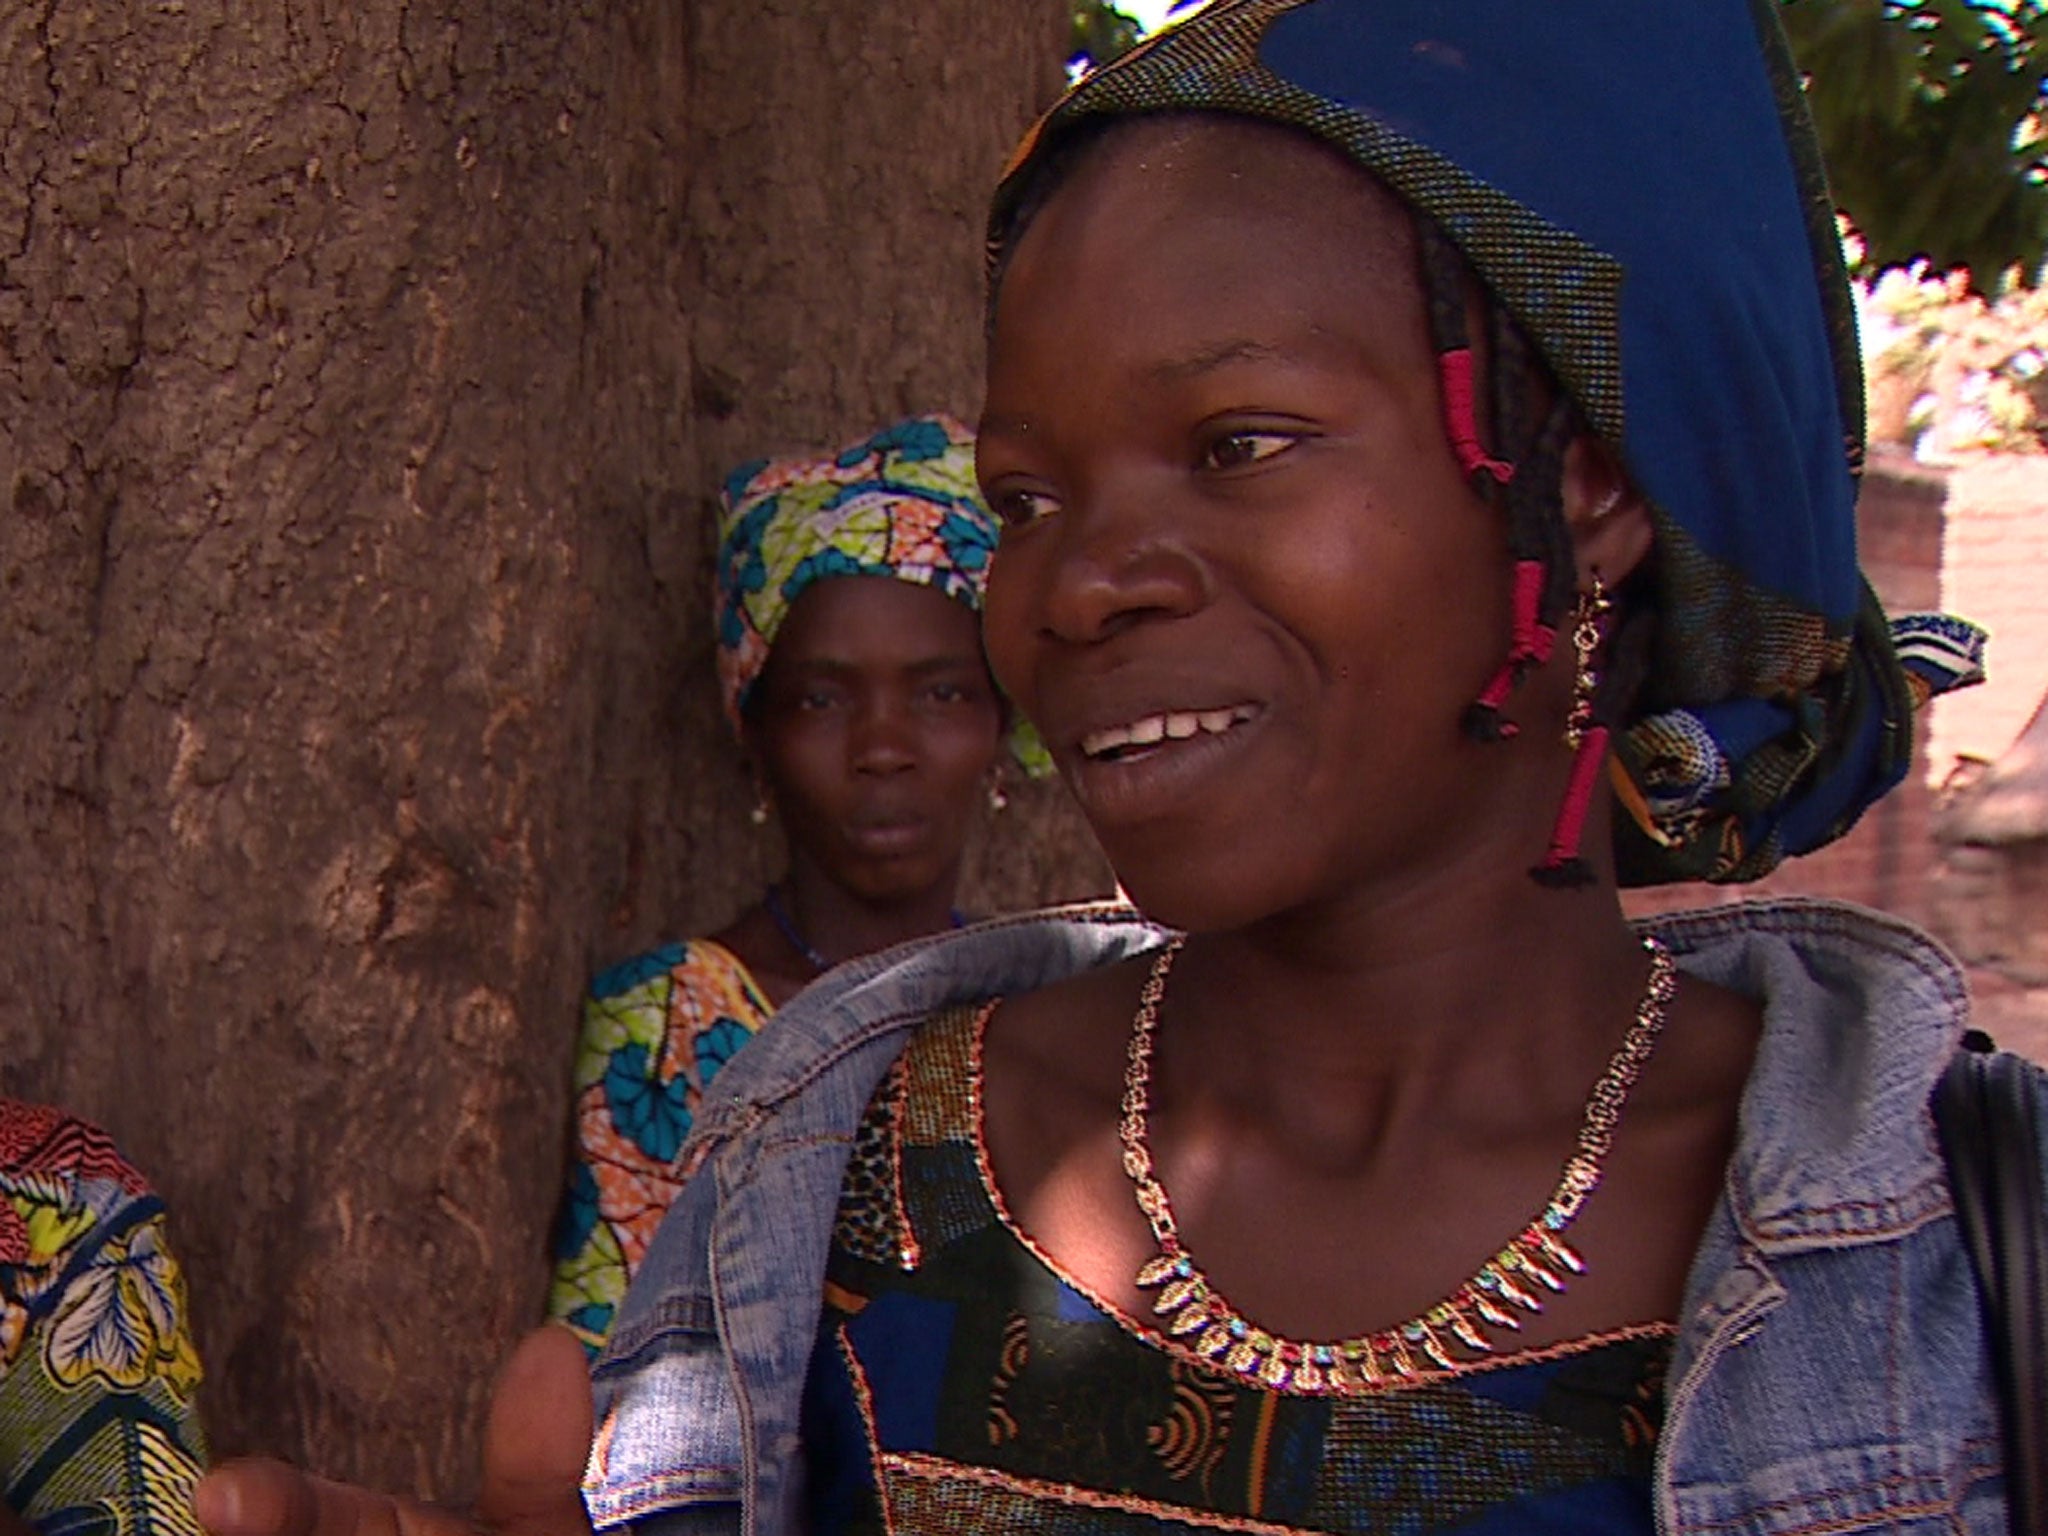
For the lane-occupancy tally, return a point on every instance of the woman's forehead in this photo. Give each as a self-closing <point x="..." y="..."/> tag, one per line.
<point x="845" y="618"/>
<point x="1147" y="178"/>
<point x="1209" y="220"/>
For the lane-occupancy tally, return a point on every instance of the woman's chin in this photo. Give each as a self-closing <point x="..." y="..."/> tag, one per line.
<point x="889" y="882"/>
<point x="1191" y="899"/>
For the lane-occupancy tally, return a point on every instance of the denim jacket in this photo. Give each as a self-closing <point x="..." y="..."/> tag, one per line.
<point x="1830" y="1372"/>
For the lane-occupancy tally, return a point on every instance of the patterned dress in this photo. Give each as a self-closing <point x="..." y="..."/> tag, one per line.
<point x="656" y="1029"/>
<point x="962" y="1382"/>
<point x="98" y="1431"/>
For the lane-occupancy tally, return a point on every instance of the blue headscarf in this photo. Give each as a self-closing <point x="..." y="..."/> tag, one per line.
<point x="1639" y="186"/>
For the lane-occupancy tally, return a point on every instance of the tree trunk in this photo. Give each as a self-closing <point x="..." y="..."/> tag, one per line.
<point x="365" y="375"/>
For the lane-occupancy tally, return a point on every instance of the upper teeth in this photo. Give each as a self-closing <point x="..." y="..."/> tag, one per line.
<point x="1175" y="724"/>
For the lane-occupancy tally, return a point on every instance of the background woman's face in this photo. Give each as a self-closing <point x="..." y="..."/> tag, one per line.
<point x="1243" y="590"/>
<point x="875" y="724"/>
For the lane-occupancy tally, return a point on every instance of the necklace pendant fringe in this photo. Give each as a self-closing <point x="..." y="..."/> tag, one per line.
<point x="1157" y="1270"/>
<point x="1453" y="1333"/>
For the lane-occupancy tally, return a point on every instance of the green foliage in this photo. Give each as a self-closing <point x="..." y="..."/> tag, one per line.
<point x="1931" y="116"/>
<point x="1100" y="32"/>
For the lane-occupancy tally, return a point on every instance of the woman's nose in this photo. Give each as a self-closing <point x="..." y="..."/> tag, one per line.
<point x="883" y="738"/>
<point x="1118" y="563"/>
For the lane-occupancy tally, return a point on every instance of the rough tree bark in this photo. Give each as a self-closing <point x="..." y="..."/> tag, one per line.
<point x="364" y="373"/>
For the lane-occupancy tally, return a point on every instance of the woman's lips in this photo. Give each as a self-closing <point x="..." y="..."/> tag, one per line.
<point x="1115" y="742"/>
<point x="884" y="838"/>
<point x="1132" y="775"/>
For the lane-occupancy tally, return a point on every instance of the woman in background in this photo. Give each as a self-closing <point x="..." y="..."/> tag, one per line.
<point x="850" y="662"/>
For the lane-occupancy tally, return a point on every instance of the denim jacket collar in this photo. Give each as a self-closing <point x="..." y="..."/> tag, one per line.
<point x="894" y="990"/>
<point x="1865" y="1011"/>
<point x="1830" y="1371"/>
<point x="1836" y="1140"/>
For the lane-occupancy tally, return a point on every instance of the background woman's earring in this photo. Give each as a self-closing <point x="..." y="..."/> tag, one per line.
<point x="759" y="814"/>
<point x="998" y="797"/>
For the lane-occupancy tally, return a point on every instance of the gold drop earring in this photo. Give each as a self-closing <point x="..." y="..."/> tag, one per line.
<point x="1589" y="621"/>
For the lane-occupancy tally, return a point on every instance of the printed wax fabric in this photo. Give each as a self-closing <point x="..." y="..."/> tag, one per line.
<point x="99" y="1434"/>
<point x="962" y="1382"/>
<point x="656" y="1030"/>
<point x="1639" y="184"/>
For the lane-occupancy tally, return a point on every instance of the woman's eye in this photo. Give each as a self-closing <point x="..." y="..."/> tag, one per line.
<point x="1015" y="508"/>
<point x="1238" y="449"/>
<point x="959" y="692"/>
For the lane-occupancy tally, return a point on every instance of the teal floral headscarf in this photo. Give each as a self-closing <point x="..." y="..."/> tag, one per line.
<point x="902" y="503"/>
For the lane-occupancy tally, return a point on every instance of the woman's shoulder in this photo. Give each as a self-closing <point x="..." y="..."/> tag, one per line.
<point x="703" y="968"/>
<point x="46" y="1149"/>
<point x="1056" y="1037"/>
<point x="1822" y="954"/>
<point x="832" y="1042"/>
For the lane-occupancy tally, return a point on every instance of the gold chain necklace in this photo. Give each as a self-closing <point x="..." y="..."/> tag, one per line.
<point x="1537" y="1259"/>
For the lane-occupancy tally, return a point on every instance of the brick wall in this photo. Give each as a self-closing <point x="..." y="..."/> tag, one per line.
<point x="1995" y="570"/>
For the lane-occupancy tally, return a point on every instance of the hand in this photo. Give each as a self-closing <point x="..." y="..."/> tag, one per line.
<point x="535" y="1444"/>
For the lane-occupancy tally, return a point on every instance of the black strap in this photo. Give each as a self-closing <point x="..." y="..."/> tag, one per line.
<point x="1984" y="1107"/>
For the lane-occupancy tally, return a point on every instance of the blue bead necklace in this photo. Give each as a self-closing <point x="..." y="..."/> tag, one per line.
<point x="778" y="914"/>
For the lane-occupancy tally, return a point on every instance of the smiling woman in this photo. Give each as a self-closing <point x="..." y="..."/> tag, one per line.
<point x="850" y="656"/>
<point x="1420" y="471"/>
<point x="1428" y="492"/>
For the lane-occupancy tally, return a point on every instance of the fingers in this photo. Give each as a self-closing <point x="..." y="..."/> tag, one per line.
<point x="535" y="1445"/>
<point x="269" y="1498"/>
<point x="536" y="1441"/>
<point x="256" y="1498"/>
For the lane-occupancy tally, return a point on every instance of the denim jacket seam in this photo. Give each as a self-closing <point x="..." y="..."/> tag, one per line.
<point x="1751" y="1514"/>
<point x="677" y="1312"/>
<point x="1805" y="916"/>
<point x="1810" y="1227"/>
<point x="657" y="1493"/>
<point x="1089" y="914"/>
<point x="737" y="1119"/>
<point x="620" y="1357"/>
<point x="1092" y="914"/>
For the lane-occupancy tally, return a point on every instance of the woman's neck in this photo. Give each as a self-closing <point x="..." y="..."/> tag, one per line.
<point x="835" y="924"/>
<point x="1340" y="1021"/>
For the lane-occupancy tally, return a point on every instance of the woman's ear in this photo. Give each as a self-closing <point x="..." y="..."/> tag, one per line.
<point x="1609" y="520"/>
<point x="757" y="780"/>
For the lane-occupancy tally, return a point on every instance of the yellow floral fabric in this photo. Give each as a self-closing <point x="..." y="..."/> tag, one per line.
<point x="99" y="1432"/>
<point x="656" y="1031"/>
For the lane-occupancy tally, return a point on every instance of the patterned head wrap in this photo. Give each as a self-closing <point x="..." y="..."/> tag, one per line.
<point x="1638" y="187"/>
<point x="902" y="503"/>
